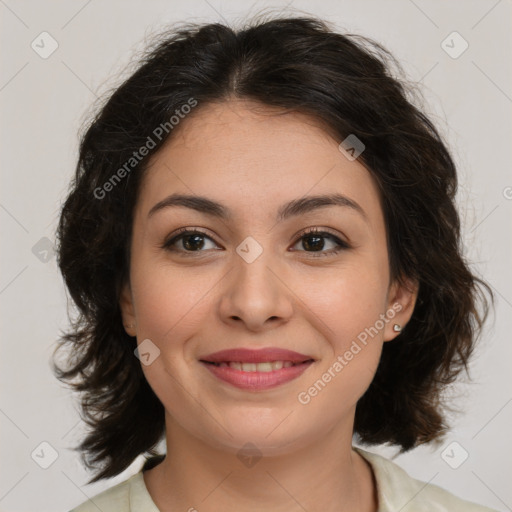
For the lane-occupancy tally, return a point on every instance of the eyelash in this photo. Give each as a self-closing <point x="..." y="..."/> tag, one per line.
<point x="341" y="245"/>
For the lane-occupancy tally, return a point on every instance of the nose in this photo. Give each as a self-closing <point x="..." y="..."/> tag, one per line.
<point x="255" y="297"/>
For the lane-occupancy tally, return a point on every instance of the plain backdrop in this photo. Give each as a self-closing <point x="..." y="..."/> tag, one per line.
<point x="45" y="98"/>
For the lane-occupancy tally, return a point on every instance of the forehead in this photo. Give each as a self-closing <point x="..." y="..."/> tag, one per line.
<point x="254" y="156"/>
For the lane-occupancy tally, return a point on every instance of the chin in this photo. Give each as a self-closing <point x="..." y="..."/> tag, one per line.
<point x="269" y="436"/>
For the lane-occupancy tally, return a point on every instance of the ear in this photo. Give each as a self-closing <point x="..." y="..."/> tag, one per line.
<point x="127" y="310"/>
<point x="400" y="306"/>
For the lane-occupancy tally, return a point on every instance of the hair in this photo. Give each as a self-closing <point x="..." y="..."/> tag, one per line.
<point x="296" y="64"/>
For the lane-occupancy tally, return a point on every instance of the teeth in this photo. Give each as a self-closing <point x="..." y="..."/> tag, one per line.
<point x="258" y="367"/>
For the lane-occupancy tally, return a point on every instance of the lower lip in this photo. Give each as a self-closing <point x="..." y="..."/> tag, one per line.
<point x="257" y="380"/>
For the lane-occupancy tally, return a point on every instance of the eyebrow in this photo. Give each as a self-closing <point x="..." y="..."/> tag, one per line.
<point x="293" y="208"/>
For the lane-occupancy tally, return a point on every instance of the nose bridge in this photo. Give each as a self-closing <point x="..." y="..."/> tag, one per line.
<point x="254" y="294"/>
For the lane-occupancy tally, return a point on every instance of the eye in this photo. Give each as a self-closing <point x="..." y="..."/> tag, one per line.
<point x="189" y="240"/>
<point x="313" y="240"/>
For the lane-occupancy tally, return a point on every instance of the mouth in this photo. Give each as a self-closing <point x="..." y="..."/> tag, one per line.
<point x="257" y="369"/>
<point x="270" y="366"/>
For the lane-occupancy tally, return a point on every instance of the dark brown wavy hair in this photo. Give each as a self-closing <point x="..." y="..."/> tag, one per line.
<point x="296" y="64"/>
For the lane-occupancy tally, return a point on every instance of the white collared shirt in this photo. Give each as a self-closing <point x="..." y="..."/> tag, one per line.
<point x="396" y="491"/>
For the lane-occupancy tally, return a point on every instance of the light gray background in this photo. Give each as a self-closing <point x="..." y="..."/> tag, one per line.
<point x="43" y="103"/>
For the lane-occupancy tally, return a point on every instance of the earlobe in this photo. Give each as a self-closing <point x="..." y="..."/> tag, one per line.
<point x="401" y="303"/>
<point x="127" y="310"/>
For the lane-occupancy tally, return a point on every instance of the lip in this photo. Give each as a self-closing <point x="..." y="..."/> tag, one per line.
<point x="257" y="381"/>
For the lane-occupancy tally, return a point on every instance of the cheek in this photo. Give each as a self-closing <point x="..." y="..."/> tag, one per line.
<point x="168" y="301"/>
<point x="171" y="306"/>
<point x="350" y="312"/>
<point x="347" y="300"/>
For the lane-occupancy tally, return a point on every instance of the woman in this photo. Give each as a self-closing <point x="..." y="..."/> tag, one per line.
<point x="263" y="246"/>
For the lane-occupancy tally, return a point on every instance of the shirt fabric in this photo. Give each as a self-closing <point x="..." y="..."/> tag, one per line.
<point x="396" y="491"/>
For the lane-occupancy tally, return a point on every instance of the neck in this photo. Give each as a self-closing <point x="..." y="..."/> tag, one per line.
<point x="326" y="476"/>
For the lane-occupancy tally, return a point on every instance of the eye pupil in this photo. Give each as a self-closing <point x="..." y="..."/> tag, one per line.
<point x="198" y="242"/>
<point x="313" y="242"/>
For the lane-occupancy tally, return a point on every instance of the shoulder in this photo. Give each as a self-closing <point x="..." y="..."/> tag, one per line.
<point x="115" y="499"/>
<point x="399" y="491"/>
<point x="127" y="496"/>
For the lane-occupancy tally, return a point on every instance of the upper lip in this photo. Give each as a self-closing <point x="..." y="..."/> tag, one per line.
<point x="262" y="355"/>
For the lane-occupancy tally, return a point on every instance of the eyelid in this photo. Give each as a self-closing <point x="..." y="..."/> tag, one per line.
<point x="321" y="230"/>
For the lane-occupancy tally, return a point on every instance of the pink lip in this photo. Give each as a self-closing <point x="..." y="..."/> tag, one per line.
<point x="256" y="381"/>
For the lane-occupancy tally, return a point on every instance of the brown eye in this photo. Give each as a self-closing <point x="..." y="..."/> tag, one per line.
<point x="315" y="241"/>
<point x="192" y="242"/>
<point x="189" y="241"/>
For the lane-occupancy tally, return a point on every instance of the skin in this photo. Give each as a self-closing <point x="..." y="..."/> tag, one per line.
<point x="191" y="304"/>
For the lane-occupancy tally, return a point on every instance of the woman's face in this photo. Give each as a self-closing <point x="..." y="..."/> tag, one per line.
<point x="253" y="279"/>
